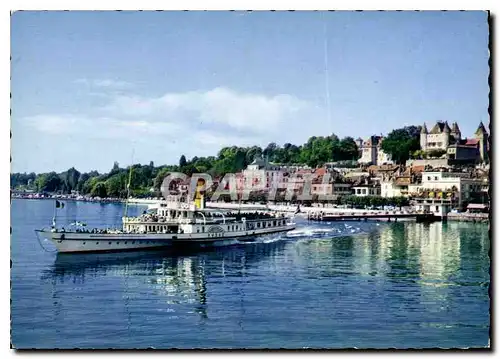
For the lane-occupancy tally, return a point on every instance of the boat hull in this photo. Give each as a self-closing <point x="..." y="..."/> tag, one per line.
<point x="69" y="242"/>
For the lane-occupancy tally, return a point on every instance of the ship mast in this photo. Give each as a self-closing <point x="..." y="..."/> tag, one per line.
<point x="128" y="184"/>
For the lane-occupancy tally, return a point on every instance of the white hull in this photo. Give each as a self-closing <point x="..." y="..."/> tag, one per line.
<point x="96" y="242"/>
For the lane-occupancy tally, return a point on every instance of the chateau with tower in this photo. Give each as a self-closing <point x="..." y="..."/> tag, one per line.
<point x="442" y="137"/>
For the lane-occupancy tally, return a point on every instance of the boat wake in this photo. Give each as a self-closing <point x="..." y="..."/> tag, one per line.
<point x="311" y="232"/>
<point x="323" y="232"/>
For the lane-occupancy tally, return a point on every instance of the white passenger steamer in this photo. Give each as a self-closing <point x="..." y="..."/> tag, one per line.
<point x="171" y="223"/>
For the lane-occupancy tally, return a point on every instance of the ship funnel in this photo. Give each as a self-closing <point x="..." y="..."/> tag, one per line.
<point x="199" y="196"/>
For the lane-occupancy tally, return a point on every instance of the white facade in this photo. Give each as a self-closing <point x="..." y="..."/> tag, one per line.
<point x="383" y="158"/>
<point x="372" y="153"/>
<point x="390" y="189"/>
<point x="263" y="175"/>
<point x="368" y="155"/>
<point x="438" y="207"/>
<point x="363" y="191"/>
<point x="342" y="189"/>
<point x="436" y="141"/>
<point x="446" y="180"/>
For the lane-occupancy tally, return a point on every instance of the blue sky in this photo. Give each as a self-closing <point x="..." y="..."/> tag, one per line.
<point x="89" y="88"/>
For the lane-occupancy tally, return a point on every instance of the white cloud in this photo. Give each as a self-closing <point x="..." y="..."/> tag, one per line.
<point x="193" y="123"/>
<point x="98" y="127"/>
<point x="220" y="106"/>
<point x="104" y="83"/>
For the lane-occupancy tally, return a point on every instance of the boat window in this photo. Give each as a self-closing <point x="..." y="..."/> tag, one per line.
<point x="203" y="228"/>
<point x="274" y="223"/>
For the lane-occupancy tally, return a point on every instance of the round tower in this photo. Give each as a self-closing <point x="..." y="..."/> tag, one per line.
<point x="423" y="138"/>
<point x="483" y="137"/>
<point x="455" y="132"/>
<point x="446" y="135"/>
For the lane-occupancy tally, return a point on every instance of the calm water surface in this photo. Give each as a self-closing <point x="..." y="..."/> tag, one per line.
<point x="338" y="285"/>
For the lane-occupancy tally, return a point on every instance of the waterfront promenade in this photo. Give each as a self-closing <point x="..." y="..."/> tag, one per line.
<point x="315" y="211"/>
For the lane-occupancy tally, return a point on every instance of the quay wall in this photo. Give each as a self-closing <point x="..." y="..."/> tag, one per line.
<point x="468" y="217"/>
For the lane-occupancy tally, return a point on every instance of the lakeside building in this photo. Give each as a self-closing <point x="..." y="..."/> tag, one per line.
<point x="461" y="188"/>
<point x="262" y="173"/>
<point x="280" y="180"/>
<point x="372" y="153"/>
<point x="359" y="142"/>
<point x="369" y="186"/>
<point x="396" y="182"/>
<point x="457" y="150"/>
<point x="342" y="189"/>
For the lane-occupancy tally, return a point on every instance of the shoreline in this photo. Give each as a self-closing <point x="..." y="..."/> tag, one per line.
<point x="304" y="211"/>
<point x="100" y="200"/>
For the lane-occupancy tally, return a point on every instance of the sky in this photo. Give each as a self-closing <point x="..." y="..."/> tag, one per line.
<point x="90" y="88"/>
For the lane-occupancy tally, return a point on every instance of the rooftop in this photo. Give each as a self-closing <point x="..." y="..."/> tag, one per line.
<point x="440" y="127"/>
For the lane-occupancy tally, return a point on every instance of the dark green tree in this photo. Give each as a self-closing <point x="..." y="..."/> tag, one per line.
<point x="348" y="150"/>
<point x="400" y="143"/>
<point x="182" y="161"/>
<point x="115" y="169"/>
<point x="437" y="153"/>
<point x="48" y="182"/>
<point x="99" y="190"/>
<point x="70" y="180"/>
<point x="252" y="153"/>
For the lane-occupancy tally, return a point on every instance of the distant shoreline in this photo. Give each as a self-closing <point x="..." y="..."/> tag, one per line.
<point x="75" y="199"/>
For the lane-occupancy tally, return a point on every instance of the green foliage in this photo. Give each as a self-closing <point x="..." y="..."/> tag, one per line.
<point x="99" y="190"/>
<point x="252" y="153"/>
<point x="70" y="180"/>
<point x="115" y="169"/>
<point x="116" y="185"/>
<point x="182" y="161"/>
<point x="401" y="142"/>
<point x="90" y="184"/>
<point x="437" y="153"/>
<point x="24" y="180"/>
<point x="146" y="180"/>
<point x="419" y="154"/>
<point x="48" y="182"/>
<point x="374" y="201"/>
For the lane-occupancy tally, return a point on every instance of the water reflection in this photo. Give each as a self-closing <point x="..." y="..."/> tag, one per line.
<point x="430" y="254"/>
<point x="439" y="254"/>
<point x="322" y="287"/>
<point x="417" y="263"/>
<point x="178" y="279"/>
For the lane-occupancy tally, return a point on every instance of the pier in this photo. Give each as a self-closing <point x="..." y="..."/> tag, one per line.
<point x="359" y="216"/>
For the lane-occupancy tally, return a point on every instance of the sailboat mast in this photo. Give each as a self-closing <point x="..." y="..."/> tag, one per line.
<point x="128" y="190"/>
<point x="54" y="218"/>
<point x="129" y="181"/>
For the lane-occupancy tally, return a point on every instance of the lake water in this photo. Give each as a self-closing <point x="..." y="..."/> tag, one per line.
<point x="337" y="285"/>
